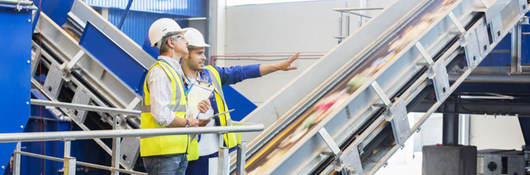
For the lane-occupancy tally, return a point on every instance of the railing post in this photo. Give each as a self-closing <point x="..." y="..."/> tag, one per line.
<point x="16" y="159"/>
<point x="116" y="148"/>
<point x="69" y="162"/>
<point x="241" y="159"/>
<point x="224" y="159"/>
<point x="515" y="66"/>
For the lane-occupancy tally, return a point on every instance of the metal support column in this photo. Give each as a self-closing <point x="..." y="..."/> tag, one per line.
<point x="362" y="4"/>
<point x="516" y="49"/>
<point x="127" y="9"/>
<point x="16" y="159"/>
<point x="116" y="148"/>
<point x="450" y="126"/>
<point x="69" y="162"/>
<point x="216" y="26"/>
<point x="241" y="158"/>
<point x="224" y="157"/>
<point x="341" y="35"/>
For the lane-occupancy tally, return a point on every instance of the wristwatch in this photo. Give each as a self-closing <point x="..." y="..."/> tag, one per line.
<point x="187" y="123"/>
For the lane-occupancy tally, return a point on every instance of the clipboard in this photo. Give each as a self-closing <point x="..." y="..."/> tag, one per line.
<point x="196" y="94"/>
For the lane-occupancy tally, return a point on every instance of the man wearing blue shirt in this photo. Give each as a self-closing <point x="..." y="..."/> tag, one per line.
<point x="197" y="73"/>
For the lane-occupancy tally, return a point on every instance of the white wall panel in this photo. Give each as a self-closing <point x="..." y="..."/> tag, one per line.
<point x="280" y="29"/>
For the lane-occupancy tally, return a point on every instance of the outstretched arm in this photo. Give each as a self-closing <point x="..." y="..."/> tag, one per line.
<point x="284" y="66"/>
<point x="234" y="74"/>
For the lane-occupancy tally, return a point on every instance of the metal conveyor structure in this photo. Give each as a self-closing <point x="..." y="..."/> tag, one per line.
<point x="348" y="112"/>
<point x="90" y="61"/>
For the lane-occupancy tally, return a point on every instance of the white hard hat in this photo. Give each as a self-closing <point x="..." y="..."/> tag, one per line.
<point x="160" y="28"/>
<point x="194" y="37"/>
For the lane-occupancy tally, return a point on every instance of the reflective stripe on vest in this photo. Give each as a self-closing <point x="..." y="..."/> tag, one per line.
<point x="172" y="108"/>
<point x="231" y="138"/>
<point x="171" y="144"/>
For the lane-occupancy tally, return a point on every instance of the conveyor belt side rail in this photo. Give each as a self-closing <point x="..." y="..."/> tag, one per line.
<point x="449" y="29"/>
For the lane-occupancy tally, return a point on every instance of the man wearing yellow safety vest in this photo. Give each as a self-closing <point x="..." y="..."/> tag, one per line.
<point x="196" y="72"/>
<point x="164" y="103"/>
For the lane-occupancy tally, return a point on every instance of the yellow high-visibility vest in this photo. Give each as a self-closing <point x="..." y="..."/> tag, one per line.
<point x="170" y="144"/>
<point x="231" y="139"/>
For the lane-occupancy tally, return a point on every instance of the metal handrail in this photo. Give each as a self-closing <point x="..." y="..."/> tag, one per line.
<point x="357" y="9"/>
<point x="81" y="135"/>
<point x="80" y="163"/>
<point x="21" y="2"/>
<point x="85" y="107"/>
<point x="68" y="136"/>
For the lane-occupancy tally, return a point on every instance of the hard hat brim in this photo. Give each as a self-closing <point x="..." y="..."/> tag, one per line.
<point x="182" y="31"/>
<point x="202" y="45"/>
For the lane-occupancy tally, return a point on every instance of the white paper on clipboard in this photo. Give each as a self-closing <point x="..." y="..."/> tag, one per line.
<point x="196" y="94"/>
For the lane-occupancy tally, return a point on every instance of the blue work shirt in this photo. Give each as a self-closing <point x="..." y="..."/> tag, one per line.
<point x="235" y="74"/>
<point x="230" y="75"/>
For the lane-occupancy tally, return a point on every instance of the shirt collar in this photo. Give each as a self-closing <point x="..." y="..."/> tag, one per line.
<point x="174" y="63"/>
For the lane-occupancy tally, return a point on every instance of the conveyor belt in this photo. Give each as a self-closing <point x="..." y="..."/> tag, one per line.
<point x="363" y="104"/>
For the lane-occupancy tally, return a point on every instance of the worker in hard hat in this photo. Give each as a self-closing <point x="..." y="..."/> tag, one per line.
<point x="196" y="72"/>
<point x="164" y="102"/>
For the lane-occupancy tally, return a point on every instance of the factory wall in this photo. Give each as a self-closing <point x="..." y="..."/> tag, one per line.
<point x="283" y="29"/>
<point x="495" y="132"/>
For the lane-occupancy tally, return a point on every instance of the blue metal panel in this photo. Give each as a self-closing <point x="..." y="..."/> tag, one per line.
<point x="153" y="51"/>
<point x="237" y="101"/>
<point x="55" y="9"/>
<point x="189" y="8"/>
<point x="525" y="45"/>
<point x="113" y="57"/>
<point x="82" y="150"/>
<point x="44" y="120"/>
<point x="137" y="24"/>
<point x="15" y="53"/>
<point x="501" y="54"/>
<point x="40" y="111"/>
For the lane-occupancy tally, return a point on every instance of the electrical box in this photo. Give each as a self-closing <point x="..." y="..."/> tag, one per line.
<point x="449" y="160"/>
<point x="496" y="162"/>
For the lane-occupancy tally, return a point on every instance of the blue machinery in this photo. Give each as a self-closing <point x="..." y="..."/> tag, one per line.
<point x="15" y="32"/>
<point x="418" y="73"/>
<point x="76" y="56"/>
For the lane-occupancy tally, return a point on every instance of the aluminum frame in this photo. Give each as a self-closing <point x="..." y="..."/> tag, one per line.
<point x="406" y="64"/>
<point x="108" y="87"/>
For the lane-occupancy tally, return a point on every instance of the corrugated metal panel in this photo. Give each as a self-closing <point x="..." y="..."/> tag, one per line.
<point x="137" y="24"/>
<point x="189" y="8"/>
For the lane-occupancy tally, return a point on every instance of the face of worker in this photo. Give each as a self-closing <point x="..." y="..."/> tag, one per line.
<point x="196" y="58"/>
<point x="180" y="45"/>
